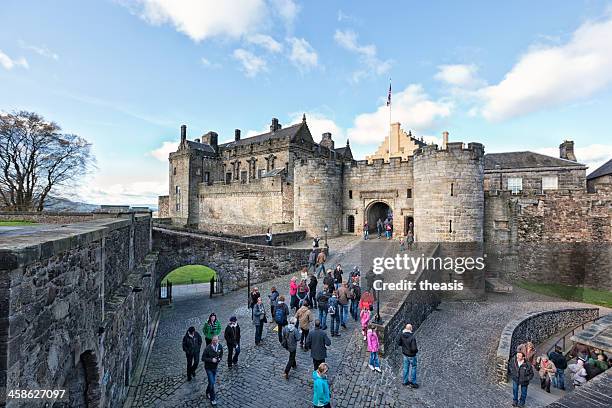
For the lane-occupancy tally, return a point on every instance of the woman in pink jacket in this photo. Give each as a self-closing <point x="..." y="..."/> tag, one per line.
<point x="373" y="346"/>
<point x="293" y="288"/>
<point x="365" y="319"/>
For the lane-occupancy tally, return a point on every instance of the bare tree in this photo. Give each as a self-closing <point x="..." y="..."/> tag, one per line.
<point x="37" y="159"/>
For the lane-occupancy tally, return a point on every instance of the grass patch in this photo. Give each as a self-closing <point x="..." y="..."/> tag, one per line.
<point x="15" y="223"/>
<point x="578" y="294"/>
<point x="188" y="274"/>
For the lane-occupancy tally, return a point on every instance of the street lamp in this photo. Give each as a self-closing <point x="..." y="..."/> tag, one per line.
<point x="325" y="229"/>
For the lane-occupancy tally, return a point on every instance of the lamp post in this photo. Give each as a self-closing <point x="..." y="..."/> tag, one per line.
<point x="325" y="229"/>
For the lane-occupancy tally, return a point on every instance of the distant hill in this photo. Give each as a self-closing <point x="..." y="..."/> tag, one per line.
<point x="64" y="204"/>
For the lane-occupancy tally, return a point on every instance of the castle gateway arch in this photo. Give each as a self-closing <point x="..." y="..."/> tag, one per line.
<point x="375" y="210"/>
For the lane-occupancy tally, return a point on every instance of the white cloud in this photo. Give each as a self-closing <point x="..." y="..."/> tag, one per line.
<point x="548" y="76"/>
<point x="412" y="107"/>
<point x="266" y="42"/>
<point x="162" y="152"/>
<point x="201" y="19"/>
<point x="8" y="63"/>
<point x="592" y="155"/>
<point x="367" y="54"/>
<point x="302" y="54"/>
<point x="40" y="50"/>
<point x="208" y="63"/>
<point x="459" y="75"/>
<point x="286" y="9"/>
<point x="251" y="63"/>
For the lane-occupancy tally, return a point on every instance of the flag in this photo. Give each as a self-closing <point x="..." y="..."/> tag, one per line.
<point x="389" y="97"/>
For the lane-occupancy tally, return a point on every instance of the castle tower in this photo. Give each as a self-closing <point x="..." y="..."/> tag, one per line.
<point x="449" y="193"/>
<point x="318" y="196"/>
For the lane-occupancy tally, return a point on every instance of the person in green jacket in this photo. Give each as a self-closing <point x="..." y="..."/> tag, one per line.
<point x="320" y="388"/>
<point x="211" y="328"/>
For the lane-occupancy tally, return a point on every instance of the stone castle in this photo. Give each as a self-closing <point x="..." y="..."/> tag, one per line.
<point x="284" y="181"/>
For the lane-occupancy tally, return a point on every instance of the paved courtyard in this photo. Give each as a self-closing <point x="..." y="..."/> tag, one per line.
<point x="457" y="344"/>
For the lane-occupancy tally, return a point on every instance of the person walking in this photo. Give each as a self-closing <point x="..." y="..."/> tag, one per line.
<point x="365" y="320"/>
<point x="321" y="258"/>
<point x="273" y="296"/>
<point x="259" y="318"/>
<point x="253" y="301"/>
<point x="355" y="292"/>
<point x="302" y="292"/>
<point x="290" y="340"/>
<point x="409" y="239"/>
<point x="192" y="341"/>
<point x="521" y="373"/>
<point x="312" y="260"/>
<point x="529" y="351"/>
<point x="211" y="328"/>
<point x="280" y="316"/>
<point x="323" y="303"/>
<point x="408" y="344"/>
<point x="343" y="299"/>
<point x="388" y="230"/>
<point x="269" y="238"/>
<point x="333" y="309"/>
<point x="213" y="353"/>
<point x="379" y="227"/>
<point x="547" y="372"/>
<point x="366" y="231"/>
<point x="317" y="342"/>
<point x="560" y="363"/>
<point x="373" y="346"/>
<point x="338" y="276"/>
<point x="321" y="397"/>
<point x="312" y="291"/>
<point x="328" y="280"/>
<point x="304" y="319"/>
<point x="293" y="288"/>
<point x="232" y="340"/>
<point x="315" y="241"/>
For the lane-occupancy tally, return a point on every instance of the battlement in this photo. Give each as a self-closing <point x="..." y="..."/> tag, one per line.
<point x="395" y="162"/>
<point x="476" y="150"/>
<point x="317" y="163"/>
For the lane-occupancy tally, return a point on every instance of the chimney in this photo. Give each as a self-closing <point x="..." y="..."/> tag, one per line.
<point x="211" y="138"/>
<point x="327" y="141"/>
<point x="237" y="134"/>
<point x="566" y="150"/>
<point x="183" y="133"/>
<point x="444" y="139"/>
<point x="274" y="126"/>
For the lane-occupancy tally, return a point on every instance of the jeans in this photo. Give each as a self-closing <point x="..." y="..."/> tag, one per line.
<point x="559" y="380"/>
<point x="320" y="270"/>
<point x="344" y="312"/>
<point x="335" y="323"/>
<point x="374" y="361"/>
<point x="258" y="331"/>
<point x="303" y="337"/>
<point x="379" y="231"/>
<point x="323" y="318"/>
<point x="366" y="234"/>
<point x="355" y="309"/>
<point x="280" y="333"/>
<point x="232" y="355"/>
<point x="291" y="363"/>
<point x="408" y="363"/>
<point x="312" y="299"/>
<point x="192" y="364"/>
<point x="212" y="378"/>
<point x="515" y="388"/>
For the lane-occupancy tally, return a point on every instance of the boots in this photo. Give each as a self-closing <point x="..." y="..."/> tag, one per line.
<point x="542" y="383"/>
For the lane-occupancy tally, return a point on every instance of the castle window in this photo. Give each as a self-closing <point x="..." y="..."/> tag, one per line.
<point x="409" y="193"/>
<point x="177" y="190"/>
<point x="243" y="177"/>
<point x="228" y="178"/>
<point x="207" y="177"/>
<point x="515" y="184"/>
<point x="550" y="183"/>
<point x="299" y="191"/>
<point x="450" y="225"/>
<point x="452" y="186"/>
<point x="351" y="194"/>
<point x="198" y="172"/>
<point x="174" y="171"/>
<point x="260" y="173"/>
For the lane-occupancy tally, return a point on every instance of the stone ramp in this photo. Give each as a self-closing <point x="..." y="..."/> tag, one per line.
<point x="597" y="393"/>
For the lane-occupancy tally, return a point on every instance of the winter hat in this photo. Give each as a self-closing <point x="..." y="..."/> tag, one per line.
<point x="233" y="319"/>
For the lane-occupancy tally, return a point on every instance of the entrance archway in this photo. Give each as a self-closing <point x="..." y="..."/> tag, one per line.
<point x="350" y="223"/>
<point x="378" y="210"/>
<point x="408" y="225"/>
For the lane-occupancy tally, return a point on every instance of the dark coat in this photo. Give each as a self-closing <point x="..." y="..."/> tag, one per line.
<point x="558" y="360"/>
<point x="209" y="354"/>
<point x="322" y="299"/>
<point x="312" y="285"/>
<point x="254" y="297"/>
<point x="191" y="345"/>
<point x="338" y="275"/>
<point x="317" y="341"/>
<point x="522" y="374"/>
<point x="232" y="335"/>
<point x="329" y="281"/>
<point x="408" y="343"/>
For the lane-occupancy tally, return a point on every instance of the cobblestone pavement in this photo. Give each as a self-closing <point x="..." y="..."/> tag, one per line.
<point x="457" y="344"/>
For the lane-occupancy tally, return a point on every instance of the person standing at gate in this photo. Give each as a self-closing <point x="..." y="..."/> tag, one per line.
<point x="213" y="353"/>
<point x="259" y="318"/>
<point x="192" y="341"/>
<point x="379" y="227"/>
<point x="232" y="340"/>
<point x="211" y="328"/>
<point x="366" y="230"/>
<point x="409" y="239"/>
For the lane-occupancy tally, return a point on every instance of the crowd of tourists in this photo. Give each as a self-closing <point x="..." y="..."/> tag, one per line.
<point x="318" y="299"/>
<point x="551" y="367"/>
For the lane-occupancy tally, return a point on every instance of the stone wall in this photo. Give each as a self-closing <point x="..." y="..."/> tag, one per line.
<point x="70" y="317"/>
<point x="567" y="179"/>
<point x="600" y="184"/>
<point x="448" y="193"/>
<point x="183" y="248"/>
<point x="50" y="217"/>
<point x="536" y="327"/>
<point x="163" y="206"/>
<point x="557" y="237"/>
<point x="595" y="393"/>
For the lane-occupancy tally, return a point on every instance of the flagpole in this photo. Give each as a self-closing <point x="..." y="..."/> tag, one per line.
<point x="389" y="120"/>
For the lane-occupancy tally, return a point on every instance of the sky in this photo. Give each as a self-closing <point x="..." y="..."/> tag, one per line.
<point x="125" y="75"/>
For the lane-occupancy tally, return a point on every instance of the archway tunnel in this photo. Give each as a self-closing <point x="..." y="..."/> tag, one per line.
<point x="376" y="211"/>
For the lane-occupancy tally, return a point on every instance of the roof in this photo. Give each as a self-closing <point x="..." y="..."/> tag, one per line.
<point x="286" y="133"/>
<point x="524" y="160"/>
<point x="200" y="146"/>
<point x="603" y="170"/>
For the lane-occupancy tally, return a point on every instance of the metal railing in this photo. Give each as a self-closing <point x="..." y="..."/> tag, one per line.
<point x="569" y="334"/>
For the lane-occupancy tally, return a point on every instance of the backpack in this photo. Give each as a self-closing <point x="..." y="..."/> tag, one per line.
<point x="280" y="315"/>
<point x="331" y="310"/>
